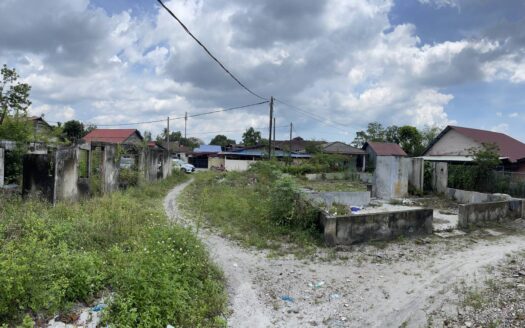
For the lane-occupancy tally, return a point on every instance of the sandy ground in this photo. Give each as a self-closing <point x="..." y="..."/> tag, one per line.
<point x="394" y="285"/>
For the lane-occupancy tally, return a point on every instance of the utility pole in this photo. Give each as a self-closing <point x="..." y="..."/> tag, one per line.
<point x="168" y="135"/>
<point x="271" y="121"/>
<point x="185" y="123"/>
<point x="274" y="131"/>
<point x="291" y="127"/>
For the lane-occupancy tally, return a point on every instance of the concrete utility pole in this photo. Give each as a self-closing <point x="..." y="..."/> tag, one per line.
<point x="185" y="123"/>
<point x="271" y="121"/>
<point x="274" y="133"/>
<point x="168" y="135"/>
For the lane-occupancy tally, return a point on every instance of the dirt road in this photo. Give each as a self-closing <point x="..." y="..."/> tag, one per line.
<point x="362" y="286"/>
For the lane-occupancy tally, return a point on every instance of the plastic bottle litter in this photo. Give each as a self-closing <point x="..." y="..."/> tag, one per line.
<point x="334" y="296"/>
<point x="287" y="298"/>
<point x="319" y="284"/>
<point x="355" y="209"/>
<point x="98" y="307"/>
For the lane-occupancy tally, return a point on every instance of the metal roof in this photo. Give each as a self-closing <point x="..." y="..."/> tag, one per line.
<point x="208" y="149"/>
<point x="261" y="153"/>
<point x="385" y="148"/>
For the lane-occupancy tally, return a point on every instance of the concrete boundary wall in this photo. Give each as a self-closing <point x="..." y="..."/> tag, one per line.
<point x="485" y="214"/>
<point x="346" y="230"/>
<point x="350" y="198"/>
<point x="2" y="156"/>
<point x="391" y="177"/>
<point x="416" y="173"/>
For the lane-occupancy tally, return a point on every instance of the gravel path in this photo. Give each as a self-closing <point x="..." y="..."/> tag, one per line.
<point x="361" y="286"/>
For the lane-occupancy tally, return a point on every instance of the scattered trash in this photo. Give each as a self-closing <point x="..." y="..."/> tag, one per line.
<point x="287" y="298"/>
<point x="346" y="305"/>
<point x="318" y="284"/>
<point x="355" y="209"/>
<point x="334" y="296"/>
<point x="343" y="318"/>
<point x="98" y="307"/>
<point x="169" y="326"/>
<point x="235" y="265"/>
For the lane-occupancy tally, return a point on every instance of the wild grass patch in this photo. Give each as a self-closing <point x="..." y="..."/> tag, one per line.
<point x="54" y="257"/>
<point x="260" y="208"/>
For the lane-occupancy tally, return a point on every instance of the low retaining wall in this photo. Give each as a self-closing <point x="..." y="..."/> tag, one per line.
<point x="345" y="230"/>
<point x="483" y="214"/>
<point x="469" y="197"/>
<point x="328" y="176"/>
<point x="351" y="198"/>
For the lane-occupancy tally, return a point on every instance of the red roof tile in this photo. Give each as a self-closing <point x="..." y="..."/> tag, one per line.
<point x="110" y="135"/>
<point x="508" y="146"/>
<point x="385" y="148"/>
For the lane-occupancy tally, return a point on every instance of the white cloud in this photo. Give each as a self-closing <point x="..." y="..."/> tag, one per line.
<point x="503" y="128"/>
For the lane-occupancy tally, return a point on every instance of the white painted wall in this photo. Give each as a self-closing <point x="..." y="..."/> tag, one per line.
<point x="453" y="144"/>
<point x="237" y="164"/>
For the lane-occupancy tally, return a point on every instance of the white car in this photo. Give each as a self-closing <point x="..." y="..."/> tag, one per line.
<point x="183" y="166"/>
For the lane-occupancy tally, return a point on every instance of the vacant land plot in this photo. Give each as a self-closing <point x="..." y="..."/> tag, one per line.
<point x="332" y="185"/>
<point x="396" y="284"/>
<point x="56" y="259"/>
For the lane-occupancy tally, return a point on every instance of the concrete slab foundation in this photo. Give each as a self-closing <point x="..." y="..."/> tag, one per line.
<point x="351" y="198"/>
<point x="484" y="214"/>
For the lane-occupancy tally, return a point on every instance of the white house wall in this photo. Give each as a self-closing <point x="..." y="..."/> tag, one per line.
<point x="453" y="144"/>
<point x="237" y="164"/>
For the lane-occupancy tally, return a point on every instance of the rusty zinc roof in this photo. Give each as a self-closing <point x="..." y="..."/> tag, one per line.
<point x="385" y="148"/>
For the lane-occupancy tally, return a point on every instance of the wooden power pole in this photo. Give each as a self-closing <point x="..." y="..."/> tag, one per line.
<point x="270" y="137"/>
<point x="185" y="123"/>
<point x="290" y="150"/>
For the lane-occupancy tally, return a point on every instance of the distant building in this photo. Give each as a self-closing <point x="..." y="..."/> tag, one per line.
<point x="201" y="155"/>
<point x="116" y="136"/>
<point x="40" y="126"/>
<point x="456" y="144"/>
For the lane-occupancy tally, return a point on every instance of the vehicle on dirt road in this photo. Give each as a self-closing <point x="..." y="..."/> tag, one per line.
<point x="183" y="166"/>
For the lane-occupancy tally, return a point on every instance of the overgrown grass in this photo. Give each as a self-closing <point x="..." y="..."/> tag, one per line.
<point x="332" y="185"/>
<point x="258" y="208"/>
<point x="157" y="273"/>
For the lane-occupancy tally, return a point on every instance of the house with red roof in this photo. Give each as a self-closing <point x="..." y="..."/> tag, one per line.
<point x="116" y="136"/>
<point x="456" y="144"/>
<point x="375" y="149"/>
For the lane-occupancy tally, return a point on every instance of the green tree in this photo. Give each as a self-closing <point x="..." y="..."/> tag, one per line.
<point x="374" y="132"/>
<point x="429" y="133"/>
<point x="392" y="134"/>
<point x="73" y="130"/>
<point x="410" y="140"/>
<point x="14" y="96"/>
<point x="221" y="140"/>
<point x="251" y="137"/>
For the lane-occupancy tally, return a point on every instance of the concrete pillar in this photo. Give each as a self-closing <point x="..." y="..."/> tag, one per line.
<point x="363" y="168"/>
<point x="1" y="167"/>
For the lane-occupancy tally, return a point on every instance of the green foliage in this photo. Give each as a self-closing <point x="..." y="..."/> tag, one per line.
<point x="17" y="129"/>
<point x="73" y="130"/>
<point x="251" y="137"/>
<point x="128" y="177"/>
<point x="177" y="137"/>
<point x="159" y="274"/>
<point x="243" y="206"/>
<point x="14" y="96"/>
<point x="410" y="140"/>
<point x="221" y="140"/>
<point x="321" y="163"/>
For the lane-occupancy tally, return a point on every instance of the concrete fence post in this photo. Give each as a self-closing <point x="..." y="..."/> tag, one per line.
<point x="1" y="167"/>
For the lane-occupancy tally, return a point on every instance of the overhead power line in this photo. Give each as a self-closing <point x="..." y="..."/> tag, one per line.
<point x="255" y="128"/>
<point x="313" y="116"/>
<point x="209" y="53"/>
<point x="182" y="117"/>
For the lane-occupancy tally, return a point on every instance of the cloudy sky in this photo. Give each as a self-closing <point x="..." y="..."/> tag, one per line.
<point x="343" y="62"/>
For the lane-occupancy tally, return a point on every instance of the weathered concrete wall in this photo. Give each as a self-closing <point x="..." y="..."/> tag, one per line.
<point x="416" y="173"/>
<point x="367" y="178"/>
<point x="346" y="230"/>
<point x="38" y="178"/>
<point x="109" y="169"/>
<point x="355" y="198"/>
<point x="439" y="177"/>
<point x="2" y="167"/>
<point x="469" y="197"/>
<point x="66" y="175"/>
<point x="391" y="177"/>
<point x="167" y="166"/>
<point x="216" y="162"/>
<point x="329" y="176"/>
<point x="237" y="164"/>
<point x="483" y="214"/>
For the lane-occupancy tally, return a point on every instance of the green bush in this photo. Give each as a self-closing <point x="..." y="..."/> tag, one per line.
<point x="128" y="177"/>
<point x="159" y="273"/>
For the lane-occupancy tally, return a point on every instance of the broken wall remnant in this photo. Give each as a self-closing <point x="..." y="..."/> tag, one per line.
<point x="416" y="174"/>
<point x="1" y="167"/>
<point x="439" y="177"/>
<point x="110" y="165"/>
<point x="356" y="228"/>
<point x="66" y="175"/>
<point x="469" y="197"/>
<point x="38" y="176"/>
<point x="350" y="198"/>
<point x="391" y="177"/>
<point x="486" y="214"/>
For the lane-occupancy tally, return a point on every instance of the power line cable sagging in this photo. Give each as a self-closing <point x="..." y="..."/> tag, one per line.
<point x="209" y="53"/>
